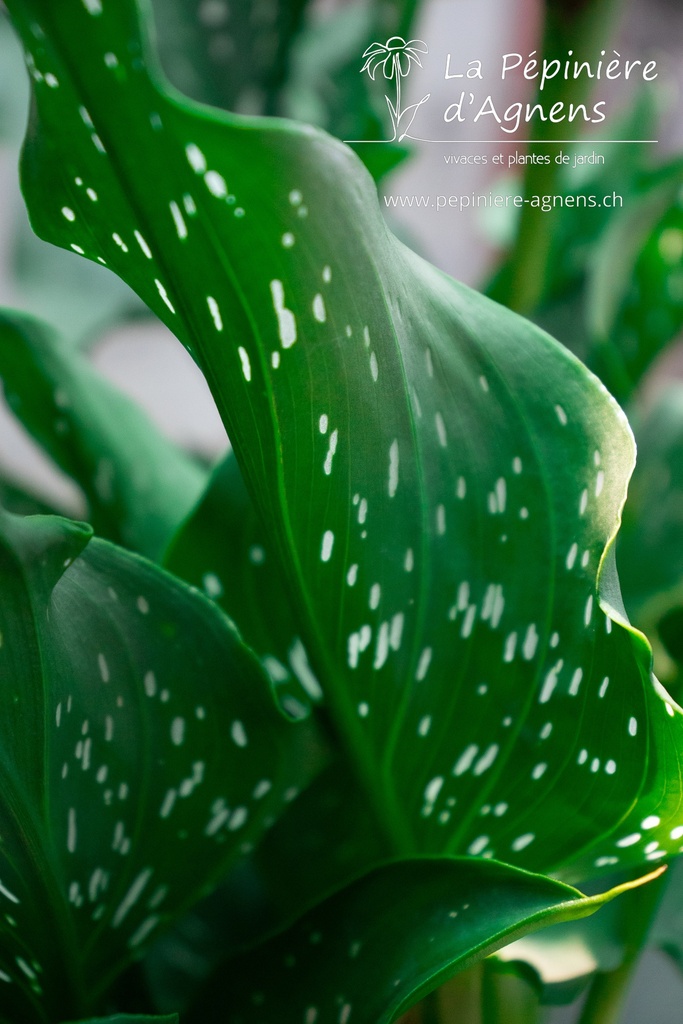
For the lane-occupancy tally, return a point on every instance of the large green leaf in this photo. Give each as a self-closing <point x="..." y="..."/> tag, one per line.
<point x="140" y="752"/>
<point x="372" y="950"/>
<point x="139" y="486"/>
<point x="79" y="298"/>
<point x="440" y="479"/>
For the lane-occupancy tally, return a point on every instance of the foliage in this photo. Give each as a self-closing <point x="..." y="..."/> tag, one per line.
<point x="427" y="711"/>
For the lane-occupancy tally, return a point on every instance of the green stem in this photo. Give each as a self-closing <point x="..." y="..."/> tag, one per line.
<point x="506" y="997"/>
<point x="607" y="994"/>
<point x="409" y="13"/>
<point x="581" y="31"/>
<point x="430" y="1009"/>
<point x="397" y="18"/>
<point x="459" y="1001"/>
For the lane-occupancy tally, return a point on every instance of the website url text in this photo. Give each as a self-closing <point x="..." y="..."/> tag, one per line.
<point x="491" y="201"/>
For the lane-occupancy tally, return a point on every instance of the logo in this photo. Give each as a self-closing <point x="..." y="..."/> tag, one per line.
<point x="493" y="93"/>
<point x="396" y="58"/>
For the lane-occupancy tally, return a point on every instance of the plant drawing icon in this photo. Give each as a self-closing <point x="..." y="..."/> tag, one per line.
<point x="396" y="58"/>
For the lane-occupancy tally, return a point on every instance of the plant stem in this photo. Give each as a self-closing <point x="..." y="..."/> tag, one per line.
<point x="506" y="997"/>
<point x="408" y="15"/>
<point x="459" y="1001"/>
<point x="430" y="1009"/>
<point x="397" y="18"/>
<point x="606" y="995"/>
<point x="531" y="252"/>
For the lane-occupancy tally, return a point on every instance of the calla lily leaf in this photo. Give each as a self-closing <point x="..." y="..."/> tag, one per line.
<point x="141" y="754"/>
<point x="80" y="299"/>
<point x="378" y="946"/>
<point x="441" y="481"/>
<point x="326" y="839"/>
<point x="139" y="486"/>
<point x="221" y="549"/>
<point x="16" y="497"/>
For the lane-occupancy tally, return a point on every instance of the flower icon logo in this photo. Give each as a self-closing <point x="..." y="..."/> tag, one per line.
<point x="396" y="58"/>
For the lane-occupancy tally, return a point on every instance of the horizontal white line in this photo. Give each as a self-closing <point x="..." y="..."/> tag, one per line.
<point x="510" y="142"/>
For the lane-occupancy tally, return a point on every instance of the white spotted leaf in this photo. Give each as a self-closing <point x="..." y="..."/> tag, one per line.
<point x="139" y="486"/>
<point x="221" y="549"/>
<point x="327" y="837"/>
<point x="441" y="481"/>
<point x="141" y="754"/>
<point x="277" y="60"/>
<point x="369" y="952"/>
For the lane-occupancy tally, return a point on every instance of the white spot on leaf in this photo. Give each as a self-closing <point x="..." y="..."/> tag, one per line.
<point x="319" y="311"/>
<point x="285" y="318"/>
<point x="327" y="545"/>
<point x="246" y="365"/>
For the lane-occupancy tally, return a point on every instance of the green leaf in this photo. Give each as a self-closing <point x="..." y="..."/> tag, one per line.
<point x="13" y="91"/>
<point x="627" y="171"/>
<point x="139" y="486"/>
<point x="140" y="753"/>
<point x="440" y="479"/>
<point x="566" y="957"/>
<point x="283" y="62"/>
<point x="372" y="950"/>
<point x="235" y="57"/>
<point x="79" y="299"/>
<point x="327" y="838"/>
<point x="634" y="295"/>
<point x="652" y="535"/>
<point x="651" y="545"/>
<point x="327" y="89"/>
<point x="16" y="497"/>
<point x="221" y="549"/>
<point x="611" y="289"/>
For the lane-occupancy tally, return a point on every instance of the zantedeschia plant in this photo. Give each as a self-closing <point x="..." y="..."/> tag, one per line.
<point x="420" y="567"/>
